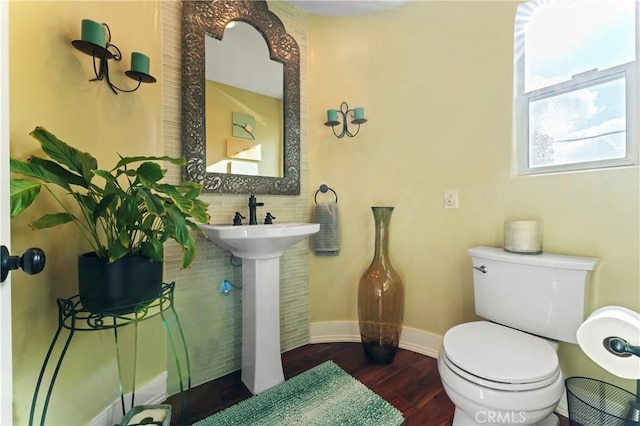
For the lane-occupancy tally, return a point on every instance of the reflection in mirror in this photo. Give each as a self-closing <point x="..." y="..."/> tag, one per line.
<point x="243" y="104"/>
<point x="200" y="20"/>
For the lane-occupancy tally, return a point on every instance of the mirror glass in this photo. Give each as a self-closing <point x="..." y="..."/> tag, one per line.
<point x="240" y="137"/>
<point x="243" y="104"/>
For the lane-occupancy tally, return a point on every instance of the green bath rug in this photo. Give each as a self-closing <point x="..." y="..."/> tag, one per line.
<point x="323" y="396"/>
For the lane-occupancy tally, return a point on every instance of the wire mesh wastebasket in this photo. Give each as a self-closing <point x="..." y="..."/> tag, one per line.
<point x="596" y="403"/>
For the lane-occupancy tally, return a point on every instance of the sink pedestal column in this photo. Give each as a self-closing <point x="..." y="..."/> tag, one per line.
<point x="260" y="248"/>
<point x="261" y="361"/>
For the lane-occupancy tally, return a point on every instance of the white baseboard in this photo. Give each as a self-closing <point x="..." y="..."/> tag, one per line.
<point x="152" y="392"/>
<point x="334" y="331"/>
<point x="563" y="407"/>
<point x="412" y="339"/>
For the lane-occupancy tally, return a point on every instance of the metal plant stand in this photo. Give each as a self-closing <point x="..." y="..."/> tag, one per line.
<point x="73" y="317"/>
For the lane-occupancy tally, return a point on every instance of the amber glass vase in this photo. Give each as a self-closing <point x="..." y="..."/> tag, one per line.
<point x="381" y="297"/>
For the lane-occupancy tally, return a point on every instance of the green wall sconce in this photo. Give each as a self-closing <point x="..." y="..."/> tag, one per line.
<point x="339" y="118"/>
<point x="96" y="42"/>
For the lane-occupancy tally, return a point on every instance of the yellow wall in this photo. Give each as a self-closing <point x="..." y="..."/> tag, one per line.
<point x="435" y="79"/>
<point x="49" y="86"/>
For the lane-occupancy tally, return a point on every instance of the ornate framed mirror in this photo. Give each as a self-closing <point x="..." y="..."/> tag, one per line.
<point x="209" y="18"/>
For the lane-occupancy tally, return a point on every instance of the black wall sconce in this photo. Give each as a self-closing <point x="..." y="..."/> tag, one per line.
<point x="332" y="119"/>
<point x="96" y="42"/>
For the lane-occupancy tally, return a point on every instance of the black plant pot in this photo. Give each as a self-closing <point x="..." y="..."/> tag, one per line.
<point x="119" y="287"/>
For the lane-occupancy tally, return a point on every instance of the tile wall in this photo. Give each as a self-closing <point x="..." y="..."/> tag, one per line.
<point x="212" y="322"/>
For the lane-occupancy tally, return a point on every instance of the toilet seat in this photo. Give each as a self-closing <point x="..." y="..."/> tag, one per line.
<point x="499" y="357"/>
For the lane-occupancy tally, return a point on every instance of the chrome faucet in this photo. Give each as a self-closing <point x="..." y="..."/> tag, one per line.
<point x="252" y="210"/>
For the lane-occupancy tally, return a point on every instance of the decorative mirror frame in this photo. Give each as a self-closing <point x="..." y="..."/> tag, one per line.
<point x="200" y="18"/>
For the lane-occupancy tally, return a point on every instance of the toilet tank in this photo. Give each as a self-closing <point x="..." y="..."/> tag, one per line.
<point x="539" y="294"/>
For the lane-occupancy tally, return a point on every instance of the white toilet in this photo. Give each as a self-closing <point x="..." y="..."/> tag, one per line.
<point x="501" y="372"/>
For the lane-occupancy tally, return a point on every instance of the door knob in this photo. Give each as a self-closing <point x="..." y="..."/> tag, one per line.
<point x="32" y="261"/>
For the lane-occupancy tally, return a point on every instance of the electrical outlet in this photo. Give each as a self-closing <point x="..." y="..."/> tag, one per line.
<point x="450" y="198"/>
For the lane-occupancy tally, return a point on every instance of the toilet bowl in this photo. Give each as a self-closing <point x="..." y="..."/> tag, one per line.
<point x="499" y="376"/>
<point x="505" y="371"/>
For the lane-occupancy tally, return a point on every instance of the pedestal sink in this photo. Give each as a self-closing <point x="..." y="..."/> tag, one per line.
<point x="260" y="247"/>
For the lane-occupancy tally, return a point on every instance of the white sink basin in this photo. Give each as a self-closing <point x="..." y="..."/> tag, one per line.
<point x="259" y="241"/>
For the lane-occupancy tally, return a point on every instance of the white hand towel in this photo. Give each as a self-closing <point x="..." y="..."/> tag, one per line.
<point x="326" y="242"/>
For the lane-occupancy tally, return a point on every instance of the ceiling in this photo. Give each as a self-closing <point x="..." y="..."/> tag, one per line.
<point x="345" y="7"/>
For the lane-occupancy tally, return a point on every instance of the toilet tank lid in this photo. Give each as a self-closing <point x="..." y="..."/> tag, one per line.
<point x="548" y="260"/>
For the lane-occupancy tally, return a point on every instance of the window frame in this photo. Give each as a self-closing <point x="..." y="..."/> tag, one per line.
<point x="631" y="72"/>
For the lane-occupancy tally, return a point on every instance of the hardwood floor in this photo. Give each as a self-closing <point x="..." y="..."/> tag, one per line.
<point x="411" y="383"/>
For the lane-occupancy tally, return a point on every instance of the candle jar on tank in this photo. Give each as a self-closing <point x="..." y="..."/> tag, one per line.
<point x="381" y="297"/>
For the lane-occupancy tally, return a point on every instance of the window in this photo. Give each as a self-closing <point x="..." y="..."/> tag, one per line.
<point x="576" y="84"/>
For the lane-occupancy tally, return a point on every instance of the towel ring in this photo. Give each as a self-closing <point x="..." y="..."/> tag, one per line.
<point x="324" y="188"/>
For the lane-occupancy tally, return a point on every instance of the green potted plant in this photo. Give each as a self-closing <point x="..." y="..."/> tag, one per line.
<point x="126" y="214"/>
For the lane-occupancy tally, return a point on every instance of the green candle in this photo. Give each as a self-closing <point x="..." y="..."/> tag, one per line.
<point x="93" y="32"/>
<point x="140" y="62"/>
<point x="332" y="115"/>
<point x="358" y="113"/>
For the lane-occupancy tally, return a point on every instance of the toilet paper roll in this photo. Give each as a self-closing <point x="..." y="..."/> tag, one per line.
<point x="606" y="322"/>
